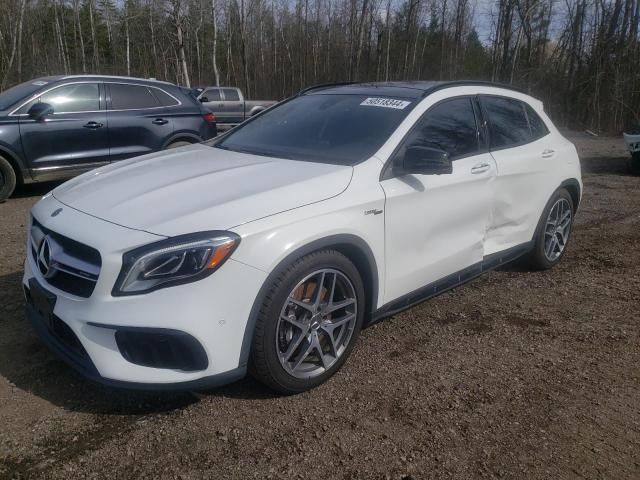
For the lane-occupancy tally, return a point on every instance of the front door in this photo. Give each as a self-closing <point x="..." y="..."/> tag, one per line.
<point x="435" y="224"/>
<point x="73" y="138"/>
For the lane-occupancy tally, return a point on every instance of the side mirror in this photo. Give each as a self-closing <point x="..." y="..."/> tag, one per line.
<point x="204" y="99"/>
<point x="426" y="161"/>
<point x="40" y="110"/>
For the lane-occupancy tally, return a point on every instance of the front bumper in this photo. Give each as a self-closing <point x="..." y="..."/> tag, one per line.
<point x="633" y="141"/>
<point x="214" y="311"/>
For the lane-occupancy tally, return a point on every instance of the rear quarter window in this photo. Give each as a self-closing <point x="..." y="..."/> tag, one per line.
<point x="164" y="98"/>
<point x="537" y="125"/>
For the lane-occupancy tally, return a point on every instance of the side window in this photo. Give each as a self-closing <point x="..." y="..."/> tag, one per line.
<point x="164" y="98"/>
<point x="74" y="98"/>
<point x="231" y="95"/>
<point x="212" y="94"/>
<point x="508" y="124"/>
<point x="131" y="97"/>
<point x="449" y="126"/>
<point x="538" y="128"/>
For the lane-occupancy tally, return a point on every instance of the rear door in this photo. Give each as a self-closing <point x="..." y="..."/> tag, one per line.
<point x="137" y="121"/>
<point x="233" y="110"/>
<point x="74" y="137"/>
<point x="519" y="143"/>
<point x="435" y="225"/>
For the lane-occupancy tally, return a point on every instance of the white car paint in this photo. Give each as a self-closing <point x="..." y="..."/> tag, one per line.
<point x="417" y="228"/>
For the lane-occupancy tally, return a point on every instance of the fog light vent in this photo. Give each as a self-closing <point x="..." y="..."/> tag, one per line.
<point x="162" y="348"/>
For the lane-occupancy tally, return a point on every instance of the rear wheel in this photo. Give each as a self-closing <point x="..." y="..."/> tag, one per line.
<point x="308" y="323"/>
<point x="554" y="229"/>
<point x="7" y="179"/>
<point x="634" y="163"/>
<point x="178" y="144"/>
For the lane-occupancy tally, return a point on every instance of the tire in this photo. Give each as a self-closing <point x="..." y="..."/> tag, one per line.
<point x="634" y="163"/>
<point x="7" y="179"/>
<point x="281" y="323"/>
<point x="542" y="257"/>
<point x="178" y="144"/>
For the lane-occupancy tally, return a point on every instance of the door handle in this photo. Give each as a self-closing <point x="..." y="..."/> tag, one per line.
<point x="548" y="153"/>
<point x="92" y="125"/>
<point x="480" y="168"/>
<point x="160" y="121"/>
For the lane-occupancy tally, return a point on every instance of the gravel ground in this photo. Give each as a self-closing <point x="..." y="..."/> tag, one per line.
<point x="516" y="375"/>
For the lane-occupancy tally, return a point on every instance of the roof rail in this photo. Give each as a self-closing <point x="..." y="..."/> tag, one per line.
<point x="325" y="85"/>
<point x="470" y="83"/>
<point x="122" y="77"/>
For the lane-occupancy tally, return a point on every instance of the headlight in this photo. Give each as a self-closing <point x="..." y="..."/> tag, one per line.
<point x="176" y="260"/>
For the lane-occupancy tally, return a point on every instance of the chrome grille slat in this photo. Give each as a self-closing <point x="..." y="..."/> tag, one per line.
<point x="73" y="266"/>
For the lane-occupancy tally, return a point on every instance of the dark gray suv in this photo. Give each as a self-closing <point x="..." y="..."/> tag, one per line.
<point x="57" y="127"/>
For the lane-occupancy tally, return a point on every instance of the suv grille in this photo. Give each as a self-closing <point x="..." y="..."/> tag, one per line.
<point x="65" y="264"/>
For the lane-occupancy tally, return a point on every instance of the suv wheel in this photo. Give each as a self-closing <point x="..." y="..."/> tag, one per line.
<point x="309" y="322"/>
<point x="554" y="229"/>
<point x="7" y="179"/>
<point x="178" y="144"/>
<point x="634" y="163"/>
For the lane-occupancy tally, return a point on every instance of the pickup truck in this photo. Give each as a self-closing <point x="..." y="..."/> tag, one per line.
<point x="229" y="105"/>
<point x="632" y="139"/>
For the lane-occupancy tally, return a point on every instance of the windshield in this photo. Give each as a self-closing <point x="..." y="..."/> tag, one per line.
<point x="19" y="92"/>
<point x="339" y="129"/>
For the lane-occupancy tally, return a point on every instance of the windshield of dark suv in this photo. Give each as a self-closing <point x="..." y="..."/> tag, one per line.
<point x="327" y="128"/>
<point x="15" y="94"/>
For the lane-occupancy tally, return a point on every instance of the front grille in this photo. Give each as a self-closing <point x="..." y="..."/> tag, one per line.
<point x="70" y="266"/>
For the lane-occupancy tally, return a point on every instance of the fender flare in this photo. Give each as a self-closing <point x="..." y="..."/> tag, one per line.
<point x="257" y="109"/>
<point x="22" y="172"/>
<point x="348" y="243"/>
<point x="573" y="186"/>
<point x="186" y="136"/>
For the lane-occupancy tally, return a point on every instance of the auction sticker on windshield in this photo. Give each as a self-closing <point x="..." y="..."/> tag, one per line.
<point x="385" y="103"/>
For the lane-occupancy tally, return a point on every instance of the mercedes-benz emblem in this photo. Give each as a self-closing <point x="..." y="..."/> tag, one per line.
<point x="44" y="258"/>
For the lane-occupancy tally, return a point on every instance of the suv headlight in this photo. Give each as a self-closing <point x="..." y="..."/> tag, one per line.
<point x="174" y="261"/>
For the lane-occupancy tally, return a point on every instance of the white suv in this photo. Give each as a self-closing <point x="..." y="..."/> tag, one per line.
<point x="269" y="248"/>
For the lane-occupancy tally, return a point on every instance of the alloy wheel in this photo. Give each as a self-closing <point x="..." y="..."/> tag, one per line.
<point x="316" y="323"/>
<point x="557" y="229"/>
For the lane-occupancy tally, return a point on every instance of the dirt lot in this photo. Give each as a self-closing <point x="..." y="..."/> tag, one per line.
<point x="516" y="375"/>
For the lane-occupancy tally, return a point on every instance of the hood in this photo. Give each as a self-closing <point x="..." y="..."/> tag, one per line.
<point x="199" y="188"/>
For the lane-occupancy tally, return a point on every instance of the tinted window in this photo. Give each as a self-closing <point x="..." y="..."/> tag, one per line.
<point x="341" y="129"/>
<point x="164" y="98"/>
<point x="448" y="126"/>
<point x="213" y="94"/>
<point x="231" y="94"/>
<point x="75" y="98"/>
<point x="131" y="97"/>
<point x="20" y="92"/>
<point x="538" y="128"/>
<point x="508" y="123"/>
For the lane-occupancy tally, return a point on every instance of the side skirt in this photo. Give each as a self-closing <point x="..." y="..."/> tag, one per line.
<point x="488" y="263"/>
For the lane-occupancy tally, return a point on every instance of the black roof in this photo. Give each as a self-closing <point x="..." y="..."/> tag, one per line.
<point x="408" y="89"/>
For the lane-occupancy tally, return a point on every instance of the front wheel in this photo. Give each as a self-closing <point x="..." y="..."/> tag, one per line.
<point x="309" y="322"/>
<point x="554" y="229"/>
<point x="7" y="179"/>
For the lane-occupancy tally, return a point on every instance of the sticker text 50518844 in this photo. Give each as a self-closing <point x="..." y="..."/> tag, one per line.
<point x="385" y="103"/>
